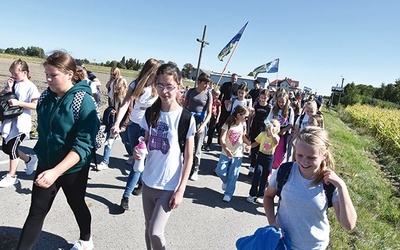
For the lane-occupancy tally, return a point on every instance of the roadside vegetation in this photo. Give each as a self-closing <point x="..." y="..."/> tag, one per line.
<point x="375" y="197"/>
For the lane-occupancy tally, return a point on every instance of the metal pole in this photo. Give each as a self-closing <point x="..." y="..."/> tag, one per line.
<point x="203" y="44"/>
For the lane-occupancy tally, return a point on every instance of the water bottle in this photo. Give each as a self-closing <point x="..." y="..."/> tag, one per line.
<point x="141" y="147"/>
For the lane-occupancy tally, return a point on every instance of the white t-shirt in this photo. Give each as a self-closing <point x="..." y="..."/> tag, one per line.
<point x="284" y="121"/>
<point x="302" y="211"/>
<point x="244" y="102"/>
<point x="141" y="104"/>
<point x="26" y="92"/>
<point x="304" y="122"/>
<point x="163" y="166"/>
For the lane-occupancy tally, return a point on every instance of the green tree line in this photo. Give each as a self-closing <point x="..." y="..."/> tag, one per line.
<point x="385" y="96"/>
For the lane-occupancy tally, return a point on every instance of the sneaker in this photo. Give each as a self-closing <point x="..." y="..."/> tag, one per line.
<point x="251" y="171"/>
<point x="226" y="198"/>
<point x="8" y="181"/>
<point x="137" y="190"/>
<point x="125" y="203"/>
<point x="251" y="199"/>
<point x="83" y="244"/>
<point x="194" y="176"/>
<point x="260" y="200"/>
<point x="102" y="166"/>
<point x="130" y="160"/>
<point x="31" y="164"/>
<point x="224" y="186"/>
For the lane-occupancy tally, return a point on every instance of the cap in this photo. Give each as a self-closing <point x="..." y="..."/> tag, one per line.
<point x="273" y="89"/>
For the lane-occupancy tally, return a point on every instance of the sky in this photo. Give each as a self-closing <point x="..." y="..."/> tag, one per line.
<point x="317" y="42"/>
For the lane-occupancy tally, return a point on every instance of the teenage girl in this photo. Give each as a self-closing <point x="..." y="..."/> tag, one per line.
<point x="303" y="209"/>
<point x="256" y="124"/>
<point x="285" y="115"/>
<point x="141" y="94"/>
<point x="165" y="173"/>
<point x="15" y="130"/>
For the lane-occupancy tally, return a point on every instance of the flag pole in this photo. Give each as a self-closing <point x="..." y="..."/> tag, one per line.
<point x="276" y="81"/>
<point x="227" y="62"/>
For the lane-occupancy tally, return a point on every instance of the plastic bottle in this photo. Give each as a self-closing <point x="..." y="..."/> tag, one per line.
<point x="141" y="147"/>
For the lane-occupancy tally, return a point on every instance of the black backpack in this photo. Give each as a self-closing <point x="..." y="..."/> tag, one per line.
<point x="283" y="176"/>
<point x="183" y="126"/>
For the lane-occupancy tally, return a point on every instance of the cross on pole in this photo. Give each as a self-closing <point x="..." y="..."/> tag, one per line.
<point x="203" y="44"/>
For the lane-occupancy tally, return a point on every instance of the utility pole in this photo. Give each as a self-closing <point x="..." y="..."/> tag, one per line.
<point x="203" y="44"/>
<point x="340" y="94"/>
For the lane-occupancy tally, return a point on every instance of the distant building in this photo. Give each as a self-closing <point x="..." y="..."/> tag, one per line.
<point x="287" y="84"/>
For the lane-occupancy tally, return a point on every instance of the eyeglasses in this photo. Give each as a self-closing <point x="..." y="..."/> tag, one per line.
<point x="169" y="88"/>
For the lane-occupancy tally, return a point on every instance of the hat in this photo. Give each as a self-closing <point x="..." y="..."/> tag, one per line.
<point x="273" y="89"/>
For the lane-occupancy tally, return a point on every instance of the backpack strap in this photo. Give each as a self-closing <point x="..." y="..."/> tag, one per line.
<point x="283" y="176"/>
<point x="183" y="128"/>
<point x="329" y="189"/>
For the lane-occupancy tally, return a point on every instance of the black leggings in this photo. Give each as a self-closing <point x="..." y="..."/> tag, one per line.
<point x="12" y="146"/>
<point x="74" y="188"/>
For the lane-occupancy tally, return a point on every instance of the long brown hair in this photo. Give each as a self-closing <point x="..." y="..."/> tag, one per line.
<point x="61" y="61"/>
<point x="239" y="109"/>
<point x="285" y="109"/>
<point x="148" y="70"/>
<point x="165" y="69"/>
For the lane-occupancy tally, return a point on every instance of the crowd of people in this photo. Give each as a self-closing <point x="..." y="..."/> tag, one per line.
<point x="269" y="125"/>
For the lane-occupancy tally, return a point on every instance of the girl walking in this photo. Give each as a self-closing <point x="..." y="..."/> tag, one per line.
<point x="141" y="94"/>
<point x="233" y="134"/>
<point x="120" y="89"/>
<point x="64" y="149"/>
<point x="267" y="142"/>
<point x="285" y="115"/>
<point x="303" y="209"/>
<point x="15" y="130"/>
<point x="165" y="173"/>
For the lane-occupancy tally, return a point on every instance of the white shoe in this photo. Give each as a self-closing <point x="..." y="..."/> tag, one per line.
<point x="102" y="166"/>
<point x="224" y="186"/>
<point x="8" y="181"/>
<point x="194" y="176"/>
<point x="260" y="200"/>
<point x="83" y="245"/>
<point x="31" y="164"/>
<point x="251" y="199"/>
<point x="226" y="198"/>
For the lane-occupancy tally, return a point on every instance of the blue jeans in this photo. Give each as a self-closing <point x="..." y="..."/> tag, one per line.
<point x="261" y="173"/>
<point x="107" y="148"/>
<point x="125" y="140"/>
<point x="228" y="171"/>
<point x="134" y="132"/>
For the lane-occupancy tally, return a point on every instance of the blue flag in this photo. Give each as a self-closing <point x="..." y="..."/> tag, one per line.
<point x="227" y="49"/>
<point x="273" y="66"/>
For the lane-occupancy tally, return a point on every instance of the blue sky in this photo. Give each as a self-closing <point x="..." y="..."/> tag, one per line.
<point x="317" y="41"/>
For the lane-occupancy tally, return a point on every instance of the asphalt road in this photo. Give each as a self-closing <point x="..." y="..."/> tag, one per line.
<point x="203" y="221"/>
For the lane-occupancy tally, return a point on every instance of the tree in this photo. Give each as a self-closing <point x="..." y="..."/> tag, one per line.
<point x="123" y="60"/>
<point x="187" y="70"/>
<point x="35" y="52"/>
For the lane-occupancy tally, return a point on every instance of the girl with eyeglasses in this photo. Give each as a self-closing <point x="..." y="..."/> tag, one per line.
<point x="165" y="173"/>
<point x="233" y="134"/>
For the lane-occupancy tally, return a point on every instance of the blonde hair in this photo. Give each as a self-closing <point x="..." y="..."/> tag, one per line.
<point x="118" y="97"/>
<point x="318" y="137"/>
